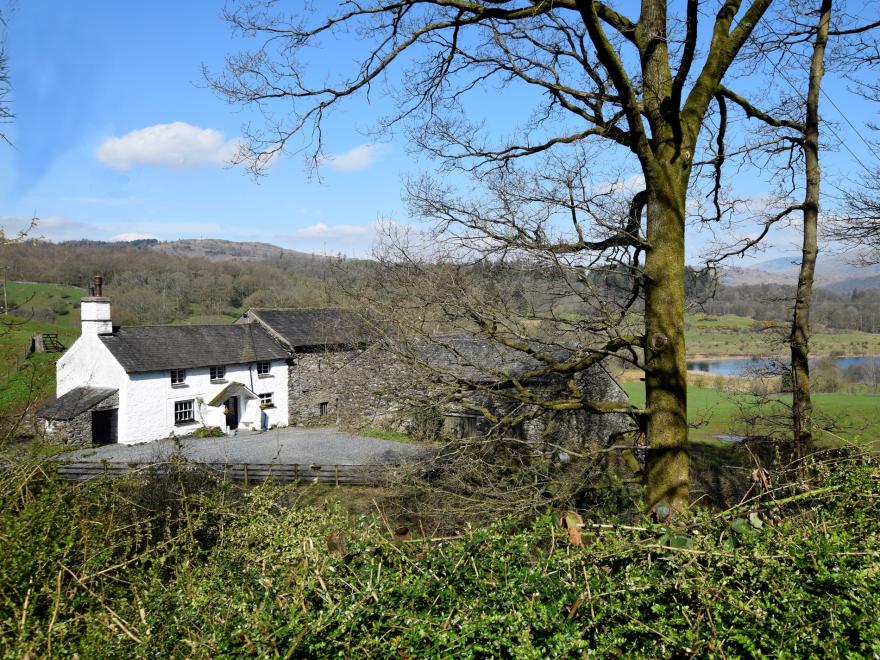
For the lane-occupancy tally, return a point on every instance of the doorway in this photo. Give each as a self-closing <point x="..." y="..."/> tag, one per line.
<point x="104" y="425"/>
<point x="231" y="413"/>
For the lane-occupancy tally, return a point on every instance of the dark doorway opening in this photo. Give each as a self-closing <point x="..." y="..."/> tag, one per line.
<point x="104" y="425"/>
<point x="232" y="413"/>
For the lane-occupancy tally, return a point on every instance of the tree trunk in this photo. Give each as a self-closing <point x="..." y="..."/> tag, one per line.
<point x="802" y="404"/>
<point x="666" y="478"/>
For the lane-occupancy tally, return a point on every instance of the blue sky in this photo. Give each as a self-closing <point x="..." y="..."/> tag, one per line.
<point x="96" y="85"/>
<point x="117" y="137"/>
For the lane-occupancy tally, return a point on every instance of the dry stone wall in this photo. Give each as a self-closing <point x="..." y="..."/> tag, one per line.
<point x="372" y="387"/>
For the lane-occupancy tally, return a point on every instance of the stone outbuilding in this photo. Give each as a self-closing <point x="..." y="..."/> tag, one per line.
<point x="83" y="416"/>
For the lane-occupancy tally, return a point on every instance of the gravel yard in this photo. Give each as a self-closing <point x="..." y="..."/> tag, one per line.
<point x="284" y="445"/>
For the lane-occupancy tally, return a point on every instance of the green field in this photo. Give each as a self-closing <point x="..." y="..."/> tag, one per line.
<point x="32" y="379"/>
<point x="42" y="301"/>
<point x="845" y="417"/>
<point x="737" y="335"/>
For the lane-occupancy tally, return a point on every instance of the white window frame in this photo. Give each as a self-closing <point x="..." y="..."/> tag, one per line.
<point x="217" y="373"/>
<point x="266" y="399"/>
<point x="178" y="377"/>
<point x="181" y="408"/>
<point x="264" y="368"/>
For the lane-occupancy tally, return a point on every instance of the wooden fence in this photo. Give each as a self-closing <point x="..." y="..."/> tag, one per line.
<point x="247" y="473"/>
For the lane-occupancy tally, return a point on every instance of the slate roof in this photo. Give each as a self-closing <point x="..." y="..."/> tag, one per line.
<point x="75" y="402"/>
<point x="158" y="347"/>
<point x="231" y="390"/>
<point x="302" y="328"/>
<point x="478" y="360"/>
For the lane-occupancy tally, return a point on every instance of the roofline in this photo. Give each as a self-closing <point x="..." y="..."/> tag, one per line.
<point x="283" y="341"/>
<point x="296" y="309"/>
<point x="286" y="345"/>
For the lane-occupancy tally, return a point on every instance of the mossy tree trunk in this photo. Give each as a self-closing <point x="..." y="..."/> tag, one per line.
<point x="666" y="371"/>
<point x="802" y="403"/>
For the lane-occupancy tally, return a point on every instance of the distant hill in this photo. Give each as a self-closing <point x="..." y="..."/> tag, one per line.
<point x="833" y="272"/>
<point x="854" y="284"/>
<point x="217" y="249"/>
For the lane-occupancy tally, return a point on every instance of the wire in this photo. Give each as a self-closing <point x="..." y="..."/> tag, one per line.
<point x="800" y="93"/>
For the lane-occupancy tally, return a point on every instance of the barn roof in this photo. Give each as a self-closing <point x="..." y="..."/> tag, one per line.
<point x="158" y="347"/>
<point x="476" y="359"/>
<point x="75" y="402"/>
<point x="302" y="328"/>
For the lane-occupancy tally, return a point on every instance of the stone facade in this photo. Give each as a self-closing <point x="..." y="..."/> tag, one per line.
<point x="353" y="388"/>
<point x="371" y="387"/>
<point x="77" y="432"/>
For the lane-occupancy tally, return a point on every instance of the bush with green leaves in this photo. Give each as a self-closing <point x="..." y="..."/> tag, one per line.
<point x="197" y="568"/>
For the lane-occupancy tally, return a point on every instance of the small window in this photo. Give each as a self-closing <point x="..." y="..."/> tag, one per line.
<point x="184" y="412"/>
<point x="266" y="400"/>
<point x="218" y="373"/>
<point x="324" y="408"/>
<point x="262" y="368"/>
<point x="178" y="376"/>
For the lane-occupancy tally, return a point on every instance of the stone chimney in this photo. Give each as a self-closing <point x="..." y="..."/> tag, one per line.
<point x="94" y="311"/>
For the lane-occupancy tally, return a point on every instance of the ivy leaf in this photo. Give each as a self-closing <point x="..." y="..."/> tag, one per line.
<point x="742" y="526"/>
<point x="673" y="540"/>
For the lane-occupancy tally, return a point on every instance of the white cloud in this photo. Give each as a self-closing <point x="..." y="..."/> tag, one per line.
<point x="177" y="145"/>
<point x="132" y="236"/>
<point x="357" y="158"/>
<point x="322" y="230"/>
<point x="631" y="184"/>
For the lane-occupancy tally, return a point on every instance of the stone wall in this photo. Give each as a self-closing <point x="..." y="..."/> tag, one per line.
<point x="371" y="387"/>
<point x="77" y="432"/>
<point x="352" y="388"/>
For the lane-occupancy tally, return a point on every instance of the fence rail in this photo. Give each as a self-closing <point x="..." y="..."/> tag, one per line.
<point x="247" y="473"/>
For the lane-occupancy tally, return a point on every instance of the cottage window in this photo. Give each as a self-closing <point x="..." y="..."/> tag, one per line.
<point x="218" y="373"/>
<point x="184" y="411"/>
<point x="324" y="408"/>
<point x="266" y="400"/>
<point x="178" y="377"/>
<point x="262" y="368"/>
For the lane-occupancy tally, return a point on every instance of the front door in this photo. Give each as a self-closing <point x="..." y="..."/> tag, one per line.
<point x="232" y="413"/>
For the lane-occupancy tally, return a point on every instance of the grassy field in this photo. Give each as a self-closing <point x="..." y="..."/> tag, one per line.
<point x="31" y="299"/>
<point x="847" y="417"/>
<point x="738" y="335"/>
<point x="24" y="380"/>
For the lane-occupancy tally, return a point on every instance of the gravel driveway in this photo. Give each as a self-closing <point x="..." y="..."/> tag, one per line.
<point x="285" y="445"/>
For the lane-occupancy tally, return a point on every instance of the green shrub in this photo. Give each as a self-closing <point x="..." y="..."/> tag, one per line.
<point x="208" y="432"/>
<point x="179" y="565"/>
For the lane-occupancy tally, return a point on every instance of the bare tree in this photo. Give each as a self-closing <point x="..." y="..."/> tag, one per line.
<point x="802" y="404"/>
<point x="642" y="85"/>
<point x="791" y="128"/>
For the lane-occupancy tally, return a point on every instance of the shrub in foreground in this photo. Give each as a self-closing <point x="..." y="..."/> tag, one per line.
<point x="102" y="569"/>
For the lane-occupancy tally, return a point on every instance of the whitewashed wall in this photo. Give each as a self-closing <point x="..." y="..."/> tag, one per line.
<point x="88" y="363"/>
<point x="150" y="398"/>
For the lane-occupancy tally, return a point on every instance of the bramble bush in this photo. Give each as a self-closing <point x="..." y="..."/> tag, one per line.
<point x="180" y="565"/>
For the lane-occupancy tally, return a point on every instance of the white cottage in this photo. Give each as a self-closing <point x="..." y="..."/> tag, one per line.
<point x="142" y="383"/>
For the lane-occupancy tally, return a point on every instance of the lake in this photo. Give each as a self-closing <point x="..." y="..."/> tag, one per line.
<point x="743" y="366"/>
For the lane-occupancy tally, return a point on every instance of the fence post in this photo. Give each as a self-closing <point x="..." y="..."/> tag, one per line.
<point x="296" y="471"/>
<point x="337" y="476"/>
<point x="246" y="480"/>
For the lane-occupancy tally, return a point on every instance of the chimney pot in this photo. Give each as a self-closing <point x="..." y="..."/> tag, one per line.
<point x="98" y="285"/>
